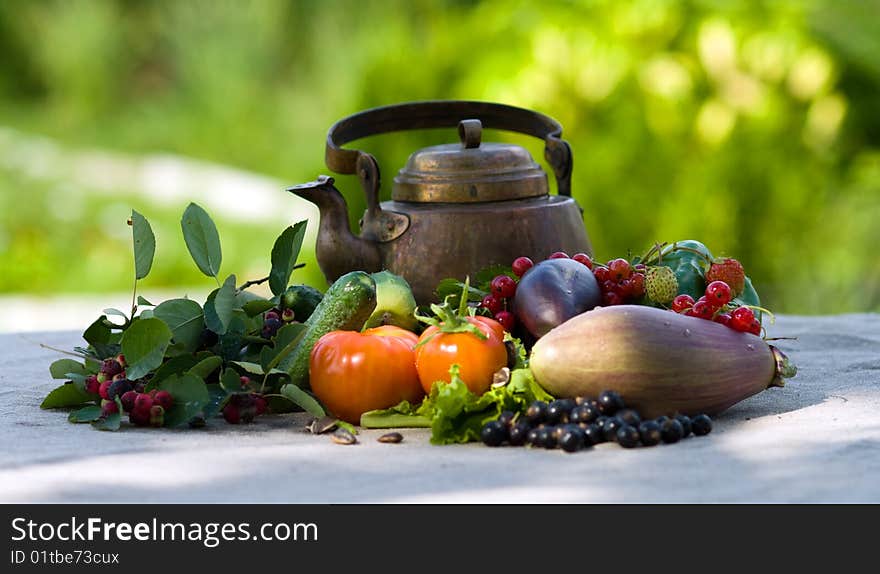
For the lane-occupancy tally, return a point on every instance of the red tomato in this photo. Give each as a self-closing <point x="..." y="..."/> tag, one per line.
<point x="352" y="373"/>
<point x="478" y="359"/>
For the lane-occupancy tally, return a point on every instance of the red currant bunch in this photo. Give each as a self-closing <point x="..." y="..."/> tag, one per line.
<point x="620" y="281"/>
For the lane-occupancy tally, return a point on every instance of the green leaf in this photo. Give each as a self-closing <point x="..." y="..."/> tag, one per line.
<point x="284" y="254"/>
<point x="66" y="395"/>
<point x="186" y="320"/>
<point x="453" y="288"/>
<point x="142" y="301"/>
<point x="143" y="345"/>
<point x="256" y="369"/>
<point x="202" y="239"/>
<point x="190" y="394"/>
<point x="98" y="333"/>
<point x="220" y="305"/>
<point x="85" y="414"/>
<point x="173" y="366"/>
<point x="483" y="278"/>
<point x="286" y="341"/>
<point x="257" y="306"/>
<point x="230" y="381"/>
<point x="232" y="340"/>
<point x="110" y="422"/>
<point x="144" y="244"/>
<point x="217" y="396"/>
<point x="206" y="366"/>
<point x="60" y="368"/>
<point x="303" y="400"/>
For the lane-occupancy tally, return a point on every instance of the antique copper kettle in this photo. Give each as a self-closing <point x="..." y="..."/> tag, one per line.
<point x="455" y="208"/>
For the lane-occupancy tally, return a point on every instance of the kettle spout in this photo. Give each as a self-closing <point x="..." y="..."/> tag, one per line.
<point x="338" y="250"/>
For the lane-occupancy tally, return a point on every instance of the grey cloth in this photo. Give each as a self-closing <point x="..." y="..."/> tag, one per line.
<point x="815" y="440"/>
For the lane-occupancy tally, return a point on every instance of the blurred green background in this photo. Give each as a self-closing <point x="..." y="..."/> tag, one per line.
<point x="752" y="126"/>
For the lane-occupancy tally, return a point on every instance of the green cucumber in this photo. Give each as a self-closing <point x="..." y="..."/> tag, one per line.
<point x="345" y="307"/>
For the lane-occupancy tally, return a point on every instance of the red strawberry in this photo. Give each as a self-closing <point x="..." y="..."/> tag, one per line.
<point x="730" y="271"/>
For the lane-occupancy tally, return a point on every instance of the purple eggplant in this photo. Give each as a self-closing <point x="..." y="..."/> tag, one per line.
<point x="553" y="292"/>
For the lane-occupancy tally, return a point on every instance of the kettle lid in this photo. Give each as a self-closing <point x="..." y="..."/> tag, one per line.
<point x="469" y="172"/>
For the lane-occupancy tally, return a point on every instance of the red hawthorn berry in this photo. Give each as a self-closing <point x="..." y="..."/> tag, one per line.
<point x="507" y="320"/>
<point x="260" y="404"/>
<point x="143" y="402"/>
<point x="619" y="269"/>
<point x="741" y="319"/>
<point x="702" y="309"/>
<point x="92" y="384"/>
<point x="718" y="292"/>
<point x="492" y="304"/>
<point x="610" y="298"/>
<point x="503" y="287"/>
<point x="723" y="318"/>
<point x="521" y="265"/>
<point x="584" y="259"/>
<point x="231" y="414"/>
<point x="128" y="400"/>
<point x="163" y="399"/>
<point x="682" y="303"/>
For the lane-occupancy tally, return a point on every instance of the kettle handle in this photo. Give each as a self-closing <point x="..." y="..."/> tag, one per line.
<point x="438" y="114"/>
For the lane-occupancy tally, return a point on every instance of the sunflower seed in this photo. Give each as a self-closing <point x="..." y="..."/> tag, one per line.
<point x="321" y="425"/>
<point x="342" y="436"/>
<point x="392" y="437"/>
<point x="501" y="377"/>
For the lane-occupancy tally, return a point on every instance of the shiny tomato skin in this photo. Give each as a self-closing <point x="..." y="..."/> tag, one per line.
<point x="477" y="359"/>
<point x="352" y="373"/>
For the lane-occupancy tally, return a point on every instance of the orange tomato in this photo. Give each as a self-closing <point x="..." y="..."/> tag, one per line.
<point x="352" y="373"/>
<point x="478" y="359"/>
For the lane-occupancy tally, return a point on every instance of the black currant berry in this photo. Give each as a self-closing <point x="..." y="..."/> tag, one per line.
<point x="610" y="428"/>
<point x="649" y="433"/>
<point x="533" y="438"/>
<point x="685" y="425"/>
<point x="558" y="411"/>
<point x="506" y="418"/>
<point x="610" y="402"/>
<point x="628" y="436"/>
<point x="536" y="413"/>
<point x="519" y="434"/>
<point x="572" y="439"/>
<point x="583" y="414"/>
<point x="593" y="435"/>
<point x="630" y="417"/>
<point x="671" y="431"/>
<point x="547" y="437"/>
<point x="494" y="433"/>
<point x="701" y="425"/>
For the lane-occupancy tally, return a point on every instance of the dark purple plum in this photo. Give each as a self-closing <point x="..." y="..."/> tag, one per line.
<point x="553" y="292"/>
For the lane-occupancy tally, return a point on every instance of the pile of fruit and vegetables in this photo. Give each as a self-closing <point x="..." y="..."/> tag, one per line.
<point x="566" y="352"/>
